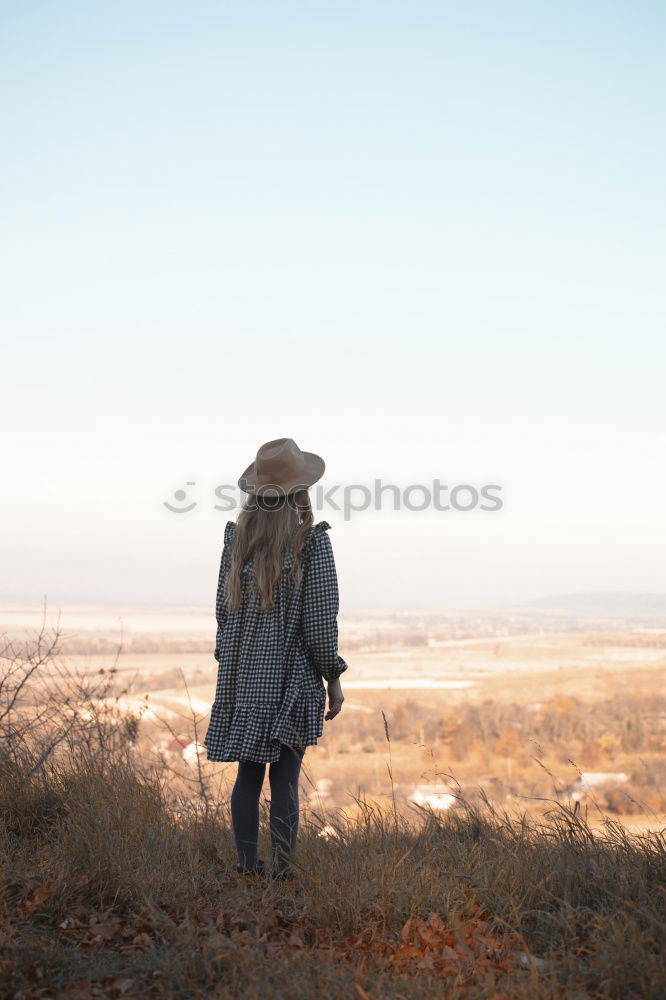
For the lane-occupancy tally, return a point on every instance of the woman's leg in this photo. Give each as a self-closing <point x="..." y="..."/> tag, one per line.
<point x="283" y="776"/>
<point x="245" y="810"/>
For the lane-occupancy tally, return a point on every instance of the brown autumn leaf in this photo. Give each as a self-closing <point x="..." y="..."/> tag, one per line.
<point x="436" y="923"/>
<point x="427" y="961"/>
<point x="101" y="932"/>
<point x="449" y="954"/>
<point x="117" y="985"/>
<point x="143" y="940"/>
<point x="39" y="896"/>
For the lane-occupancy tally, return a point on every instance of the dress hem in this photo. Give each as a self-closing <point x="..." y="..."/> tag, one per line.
<point x="255" y="730"/>
<point x="271" y="760"/>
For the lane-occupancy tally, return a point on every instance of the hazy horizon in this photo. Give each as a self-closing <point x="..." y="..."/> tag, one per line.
<point x="628" y="602"/>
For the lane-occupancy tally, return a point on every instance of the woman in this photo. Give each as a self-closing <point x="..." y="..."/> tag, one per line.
<point x="277" y="641"/>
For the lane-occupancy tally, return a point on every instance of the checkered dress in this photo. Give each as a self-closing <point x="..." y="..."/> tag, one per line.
<point x="271" y="664"/>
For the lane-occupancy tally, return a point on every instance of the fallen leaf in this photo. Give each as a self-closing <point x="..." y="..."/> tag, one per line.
<point x="142" y="940"/>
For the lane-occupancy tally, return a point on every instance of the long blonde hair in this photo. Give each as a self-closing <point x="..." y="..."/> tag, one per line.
<point x="264" y="530"/>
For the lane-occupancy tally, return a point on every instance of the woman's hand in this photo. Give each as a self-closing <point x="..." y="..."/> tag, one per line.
<point x="335" y="698"/>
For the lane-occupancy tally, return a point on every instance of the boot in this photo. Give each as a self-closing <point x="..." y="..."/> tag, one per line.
<point x="285" y="875"/>
<point x="259" y="869"/>
<point x="281" y="869"/>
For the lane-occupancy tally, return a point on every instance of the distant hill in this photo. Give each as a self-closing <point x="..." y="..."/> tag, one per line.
<point x="614" y="603"/>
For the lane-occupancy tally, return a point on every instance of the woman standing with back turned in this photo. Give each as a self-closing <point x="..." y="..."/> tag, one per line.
<point x="277" y="641"/>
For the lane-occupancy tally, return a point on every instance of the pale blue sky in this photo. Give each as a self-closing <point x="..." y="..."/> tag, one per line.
<point x="208" y="207"/>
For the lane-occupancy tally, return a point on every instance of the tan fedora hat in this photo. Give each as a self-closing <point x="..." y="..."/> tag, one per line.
<point x="280" y="468"/>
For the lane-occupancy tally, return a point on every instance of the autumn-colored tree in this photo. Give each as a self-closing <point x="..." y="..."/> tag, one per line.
<point x="399" y="723"/>
<point x="559" y="705"/>
<point x="448" y="728"/>
<point x="609" y="742"/>
<point x="591" y="753"/>
<point x="508" y="743"/>
<point x="463" y="740"/>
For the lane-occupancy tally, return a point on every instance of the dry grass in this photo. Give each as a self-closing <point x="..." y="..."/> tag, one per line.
<point x="117" y="883"/>
<point x="105" y="887"/>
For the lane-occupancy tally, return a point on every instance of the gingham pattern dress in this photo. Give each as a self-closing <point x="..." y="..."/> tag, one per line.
<point x="272" y="664"/>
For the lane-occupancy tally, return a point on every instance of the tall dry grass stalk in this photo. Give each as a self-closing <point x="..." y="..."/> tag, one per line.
<point x="389" y="767"/>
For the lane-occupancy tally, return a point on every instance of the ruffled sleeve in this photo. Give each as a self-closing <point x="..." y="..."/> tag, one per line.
<point x="320" y="605"/>
<point x="221" y="609"/>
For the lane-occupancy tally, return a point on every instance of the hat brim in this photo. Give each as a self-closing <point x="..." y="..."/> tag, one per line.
<point x="313" y="470"/>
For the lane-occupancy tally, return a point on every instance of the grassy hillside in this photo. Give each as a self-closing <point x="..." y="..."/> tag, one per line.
<point x="118" y="880"/>
<point x="108" y="890"/>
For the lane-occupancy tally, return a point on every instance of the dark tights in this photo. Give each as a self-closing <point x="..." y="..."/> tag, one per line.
<point x="283" y="775"/>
